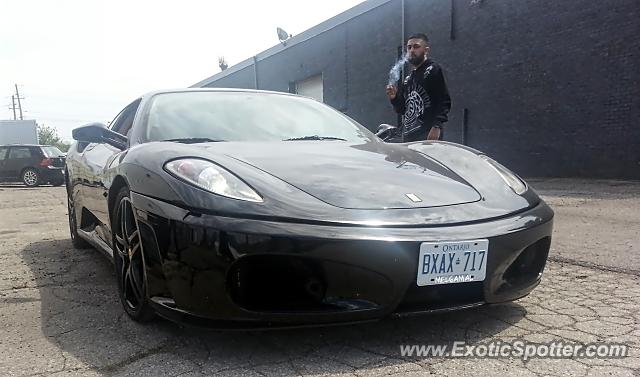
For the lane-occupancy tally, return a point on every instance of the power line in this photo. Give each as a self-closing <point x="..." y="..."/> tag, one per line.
<point x="54" y="117"/>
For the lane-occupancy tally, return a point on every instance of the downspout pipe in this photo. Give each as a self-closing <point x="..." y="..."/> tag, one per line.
<point x="255" y="72"/>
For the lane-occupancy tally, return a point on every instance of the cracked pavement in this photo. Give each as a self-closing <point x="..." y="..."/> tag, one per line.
<point x="60" y="315"/>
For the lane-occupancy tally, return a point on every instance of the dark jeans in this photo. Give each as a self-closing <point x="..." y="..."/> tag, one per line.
<point x="416" y="136"/>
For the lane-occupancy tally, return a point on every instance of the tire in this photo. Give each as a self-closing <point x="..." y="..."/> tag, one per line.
<point x="128" y="260"/>
<point x="30" y="177"/>
<point x="76" y="241"/>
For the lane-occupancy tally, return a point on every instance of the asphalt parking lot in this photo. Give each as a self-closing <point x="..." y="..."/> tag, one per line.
<point x="60" y="315"/>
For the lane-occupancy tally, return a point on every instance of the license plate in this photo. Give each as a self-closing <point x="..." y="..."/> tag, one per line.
<point x="450" y="262"/>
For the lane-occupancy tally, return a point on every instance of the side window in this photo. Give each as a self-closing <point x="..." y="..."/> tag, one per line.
<point x="3" y="153"/>
<point x="117" y="120"/>
<point x="127" y="123"/>
<point x="16" y="153"/>
<point x="124" y="121"/>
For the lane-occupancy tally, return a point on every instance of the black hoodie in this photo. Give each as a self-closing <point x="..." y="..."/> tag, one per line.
<point x="423" y="100"/>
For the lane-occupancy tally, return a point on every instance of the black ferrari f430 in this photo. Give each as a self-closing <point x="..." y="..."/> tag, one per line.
<point x="251" y="209"/>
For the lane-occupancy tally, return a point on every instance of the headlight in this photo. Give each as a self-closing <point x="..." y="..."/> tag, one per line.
<point x="211" y="177"/>
<point x="510" y="178"/>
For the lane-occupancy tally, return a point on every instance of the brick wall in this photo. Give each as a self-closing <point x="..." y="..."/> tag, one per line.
<point x="552" y="88"/>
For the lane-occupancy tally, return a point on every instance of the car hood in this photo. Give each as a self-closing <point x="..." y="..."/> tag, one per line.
<point x="356" y="176"/>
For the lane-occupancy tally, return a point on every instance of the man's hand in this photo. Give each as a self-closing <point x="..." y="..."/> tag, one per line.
<point x="434" y="134"/>
<point x="391" y="91"/>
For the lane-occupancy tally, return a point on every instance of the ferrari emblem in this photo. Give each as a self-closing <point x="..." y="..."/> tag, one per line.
<point x="413" y="197"/>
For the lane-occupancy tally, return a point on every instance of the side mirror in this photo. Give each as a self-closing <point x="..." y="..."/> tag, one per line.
<point x="386" y="131"/>
<point x="99" y="133"/>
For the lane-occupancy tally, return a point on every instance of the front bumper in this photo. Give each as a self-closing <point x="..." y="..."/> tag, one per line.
<point x="233" y="272"/>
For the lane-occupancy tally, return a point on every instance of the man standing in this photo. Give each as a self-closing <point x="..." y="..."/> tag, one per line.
<point x="422" y="98"/>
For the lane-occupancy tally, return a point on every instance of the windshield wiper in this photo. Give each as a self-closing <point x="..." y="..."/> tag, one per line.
<point x="193" y="140"/>
<point x="315" y="137"/>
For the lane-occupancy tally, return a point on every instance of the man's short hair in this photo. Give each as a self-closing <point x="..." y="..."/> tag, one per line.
<point x="419" y="36"/>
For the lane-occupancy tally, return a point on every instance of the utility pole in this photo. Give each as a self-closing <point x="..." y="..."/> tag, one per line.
<point x="13" y="107"/>
<point x="18" y="98"/>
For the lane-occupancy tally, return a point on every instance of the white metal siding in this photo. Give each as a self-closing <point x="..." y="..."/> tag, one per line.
<point x="18" y="132"/>
<point x="311" y="87"/>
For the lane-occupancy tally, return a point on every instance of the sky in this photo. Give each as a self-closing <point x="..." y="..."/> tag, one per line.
<point x="81" y="61"/>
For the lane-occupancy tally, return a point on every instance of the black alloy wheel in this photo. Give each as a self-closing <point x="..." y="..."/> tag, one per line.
<point x="129" y="261"/>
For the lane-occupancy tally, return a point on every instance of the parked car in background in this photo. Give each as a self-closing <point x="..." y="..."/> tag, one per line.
<point x="32" y="164"/>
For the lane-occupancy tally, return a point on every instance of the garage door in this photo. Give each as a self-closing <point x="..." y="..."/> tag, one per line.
<point x="311" y="87"/>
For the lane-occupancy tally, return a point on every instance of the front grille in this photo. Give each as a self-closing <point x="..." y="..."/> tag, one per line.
<point x="433" y="297"/>
<point x="294" y="284"/>
<point x="527" y="268"/>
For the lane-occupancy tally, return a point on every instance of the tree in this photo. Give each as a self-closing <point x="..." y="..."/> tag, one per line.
<point x="49" y="136"/>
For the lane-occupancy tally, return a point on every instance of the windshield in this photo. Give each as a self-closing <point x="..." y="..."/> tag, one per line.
<point x="52" y="152"/>
<point x="247" y="116"/>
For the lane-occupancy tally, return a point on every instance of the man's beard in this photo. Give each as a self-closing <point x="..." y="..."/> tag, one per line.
<point x="416" y="60"/>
